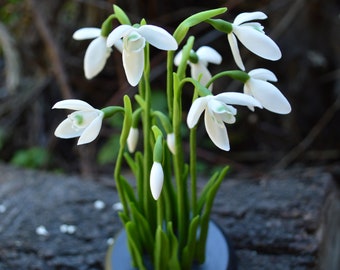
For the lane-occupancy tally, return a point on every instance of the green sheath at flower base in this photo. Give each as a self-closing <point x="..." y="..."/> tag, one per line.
<point x="193" y="20"/>
<point x="221" y="25"/>
<point x="106" y="27"/>
<point x="158" y="150"/>
<point x="111" y="110"/>
<point x="234" y="74"/>
<point x="121" y="15"/>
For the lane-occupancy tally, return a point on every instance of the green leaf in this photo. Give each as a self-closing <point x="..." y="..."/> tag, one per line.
<point x="189" y="249"/>
<point x="173" y="262"/>
<point x="162" y="250"/>
<point x="144" y="230"/>
<point x="200" y="254"/>
<point x="134" y="245"/>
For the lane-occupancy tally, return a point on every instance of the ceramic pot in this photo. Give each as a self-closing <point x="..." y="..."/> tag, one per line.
<point x="219" y="254"/>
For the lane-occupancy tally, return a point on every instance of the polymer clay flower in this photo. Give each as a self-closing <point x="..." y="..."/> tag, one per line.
<point x="134" y="40"/>
<point x="156" y="179"/>
<point x="199" y="61"/>
<point x="266" y="93"/>
<point x="252" y="36"/>
<point x="84" y="123"/>
<point x="218" y="111"/>
<point x="97" y="52"/>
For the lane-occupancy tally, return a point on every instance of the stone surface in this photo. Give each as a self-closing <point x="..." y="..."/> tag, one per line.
<point x="272" y="220"/>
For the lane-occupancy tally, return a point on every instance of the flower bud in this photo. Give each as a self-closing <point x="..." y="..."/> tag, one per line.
<point x="170" y="140"/>
<point x="156" y="180"/>
<point x="132" y="139"/>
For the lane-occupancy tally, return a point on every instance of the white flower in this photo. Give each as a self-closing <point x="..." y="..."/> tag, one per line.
<point x="97" y="52"/>
<point x="133" y="46"/>
<point x="252" y="36"/>
<point x="205" y="55"/>
<point x="156" y="180"/>
<point x="84" y="123"/>
<point x="132" y="139"/>
<point x="170" y="140"/>
<point x="218" y="112"/>
<point x="266" y="93"/>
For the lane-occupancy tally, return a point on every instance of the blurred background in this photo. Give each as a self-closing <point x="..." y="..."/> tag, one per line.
<point x="41" y="64"/>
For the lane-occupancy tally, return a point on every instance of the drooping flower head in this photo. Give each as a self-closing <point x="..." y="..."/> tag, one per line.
<point x="218" y="111"/>
<point x="84" y="123"/>
<point x="252" y="36"/>
<point x="266" y="93"/>
<point x="134" y="39"/>
<point x="156" y="179"/>
<point x="199" y="61"/>
<point x="97" y="52"/>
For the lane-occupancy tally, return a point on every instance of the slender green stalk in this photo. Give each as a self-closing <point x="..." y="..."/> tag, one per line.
<point x="181" y="183"/>
<point x="169" y="82"/>
<point x="117" y="172"/>
<point x="146" y="118"/>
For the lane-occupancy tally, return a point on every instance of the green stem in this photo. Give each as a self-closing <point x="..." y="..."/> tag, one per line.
<point x="181" y="183"/>
<point x="169" y="82"/>
<point x="234" y="74"/>
<point x="117" y="172"/>
<point x="146" y="118"/>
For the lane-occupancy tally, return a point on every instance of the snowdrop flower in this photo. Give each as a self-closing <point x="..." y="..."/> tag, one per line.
<point x="199" y="61"/>
<point x="97" y="52"/>
<point x="84" y="123"/>
<point x="156" y="179"/>
<point x="132" y="139"/>
<point x="266" y="93"/>
<point x="217" y="112"/>
<point x="252" y="36"/>
<point x="134" y="40"/>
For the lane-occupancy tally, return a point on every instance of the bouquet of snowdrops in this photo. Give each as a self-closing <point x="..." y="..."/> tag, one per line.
<point x="164" y="215"/>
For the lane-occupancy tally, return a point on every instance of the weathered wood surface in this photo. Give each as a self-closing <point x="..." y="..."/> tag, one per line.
<point x="274" y="221"/>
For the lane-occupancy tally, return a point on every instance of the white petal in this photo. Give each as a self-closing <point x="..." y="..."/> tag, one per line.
<point x="95" y="57"/>
<point x="178" y="58"/>
<point x="132" y="139"/>
<point x="235" y="98"/>
<point x="257" y="42"/>
<point x="118" y="33"/>
<point x="119" y="45"/>
<point x="73" y="104"/>
<point x="249" y="16"/>
<point x="262" y="74"/>
<point x="197" y="70"/>
<point x="209" y="55"/>
<point x="65" y="130"/>
<point x="269" y="96"/>
<point x="158" y="37"/>
<point x="217" y="133"/>
<point x="86" y="33"/>
<point x="195" y="111"/>
<point x="156" y="180"/>
<point x="133" y="63"/>
<point x="91" y="132"/>
<point x="235" y="51"/>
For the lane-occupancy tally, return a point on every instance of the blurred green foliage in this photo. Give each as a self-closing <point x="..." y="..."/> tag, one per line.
<point x="8" y="11"/>
<point x="34" y="158"/>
